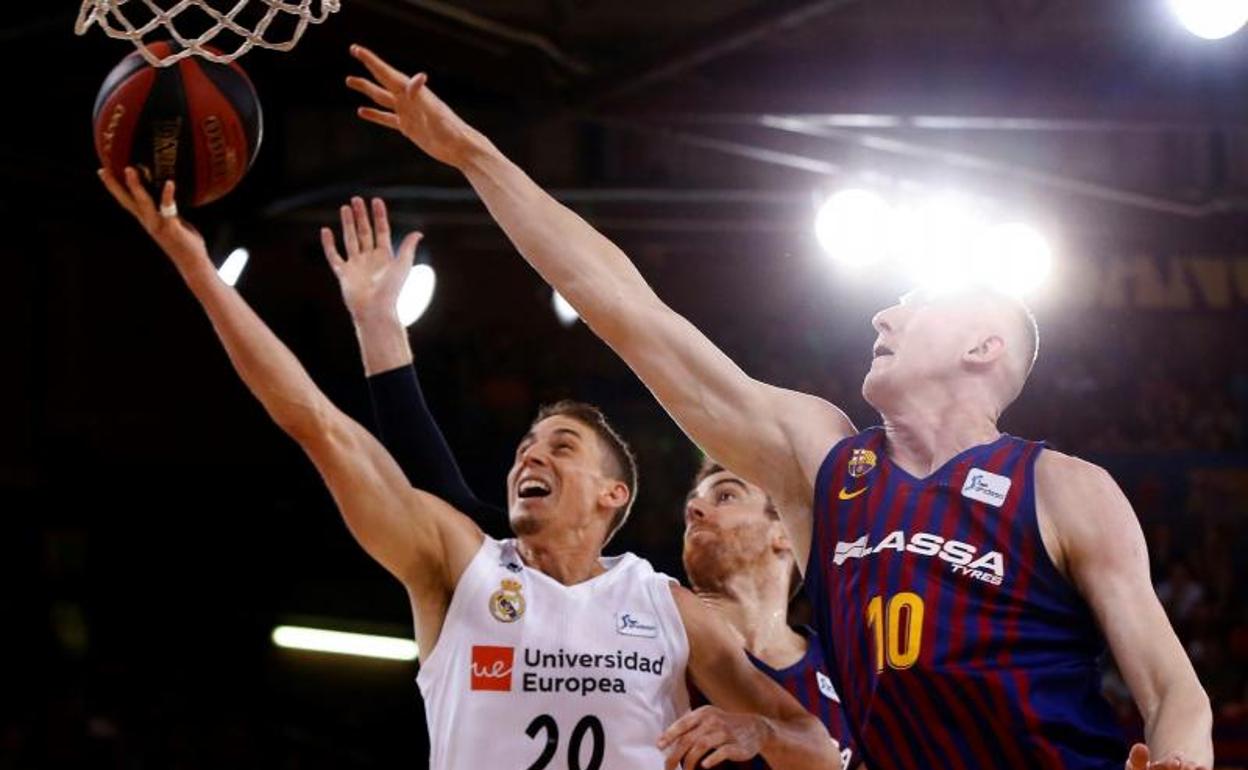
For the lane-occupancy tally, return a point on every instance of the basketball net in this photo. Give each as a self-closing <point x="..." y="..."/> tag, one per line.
<point x="151" y="19"/>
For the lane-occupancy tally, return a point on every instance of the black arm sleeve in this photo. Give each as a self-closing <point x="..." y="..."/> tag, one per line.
<point x="409" y="432"/>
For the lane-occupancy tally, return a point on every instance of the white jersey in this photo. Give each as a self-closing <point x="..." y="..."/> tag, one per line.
<point x="530" y="674"/>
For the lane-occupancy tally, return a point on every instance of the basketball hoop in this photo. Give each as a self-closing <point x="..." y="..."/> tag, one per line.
<point x="247" y="20"/>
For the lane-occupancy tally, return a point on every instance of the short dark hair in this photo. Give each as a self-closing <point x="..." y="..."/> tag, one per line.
<point x="622" y="463"/>
<point x="710" y="467"/>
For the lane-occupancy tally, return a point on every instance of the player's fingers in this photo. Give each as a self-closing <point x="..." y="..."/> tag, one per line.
<point x="681" y="726"/>
<point x="407" y="253"/>
<point x="119" y="193"/>
<point x="388" y="76"/>
<point x="697" y="750"/>
<point x="722" y="754"/>
<point x="336" y="262"/>
<point x="168" y="197"/>
<point x="349" y="237"/>
<point x="380" y="117"/>
<point x="143" y="206"/>
<point x="675" y="753"/>
<point x="1138" y="758"/>
<point x="363" y="225"/>
<point x="368" y="88"/>
<point x="678" y="750"/>
<point x="381" y="223"/>
<point x="416" y="83"/>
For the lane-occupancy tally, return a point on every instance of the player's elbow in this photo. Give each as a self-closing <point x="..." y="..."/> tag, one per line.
<point x="312" y="425"/>
<point x="1197" y="706"/>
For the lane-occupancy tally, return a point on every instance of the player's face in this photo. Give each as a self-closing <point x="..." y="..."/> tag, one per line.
<point x="921" y="338"/>
<point x="557" y="477"/>
<point x="727" y="528"/>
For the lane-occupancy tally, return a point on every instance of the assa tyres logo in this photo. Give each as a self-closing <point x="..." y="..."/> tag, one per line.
<point x="491" y="668"/>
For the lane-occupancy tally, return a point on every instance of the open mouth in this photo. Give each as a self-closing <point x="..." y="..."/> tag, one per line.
<point x="530" y="488"/>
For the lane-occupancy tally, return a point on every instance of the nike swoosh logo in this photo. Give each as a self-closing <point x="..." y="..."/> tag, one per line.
<point x="850" y="495"/>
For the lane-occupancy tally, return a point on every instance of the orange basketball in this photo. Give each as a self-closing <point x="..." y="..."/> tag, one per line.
<point x="195" y="122"/>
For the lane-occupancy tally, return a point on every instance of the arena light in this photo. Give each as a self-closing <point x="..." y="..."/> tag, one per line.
<point x="1211" y="19"/>
<point x="851" y="226"/>
<point x="233" y="266"/>
<point x="416" y="294"/>
<point x="343" y="643"/>
<point x="564" y="311"/>
<point x="1013" y="258"/>
<point x="935" y="241"/>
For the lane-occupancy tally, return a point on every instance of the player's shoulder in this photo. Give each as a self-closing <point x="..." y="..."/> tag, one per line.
<point x="1060" y="473"/>
<point x="807" y="411"/>
<point x="1079" y="498"/>
<point x="683" y="596"/>
<point x="695" y="613"/>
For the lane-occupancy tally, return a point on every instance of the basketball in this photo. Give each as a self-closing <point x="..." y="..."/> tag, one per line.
<point x="195" y="122"/>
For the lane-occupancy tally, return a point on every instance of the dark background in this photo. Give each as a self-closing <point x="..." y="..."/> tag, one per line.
<point x="155" y="526"/>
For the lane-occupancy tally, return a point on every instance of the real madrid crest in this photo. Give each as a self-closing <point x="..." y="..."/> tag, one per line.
<point x="507" y="603"/>
<point x="861" y="462"/>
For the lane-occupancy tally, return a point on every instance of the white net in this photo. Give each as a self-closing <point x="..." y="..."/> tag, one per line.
<point x="232" y="30"/>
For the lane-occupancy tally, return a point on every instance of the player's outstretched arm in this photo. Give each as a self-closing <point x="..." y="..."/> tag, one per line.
<point x="1102" y="550"/>
<point x="414" y="535"/>
<point x="751" y="715"/>
<point x="371" y="276"/>
<point x="773" y="437"/>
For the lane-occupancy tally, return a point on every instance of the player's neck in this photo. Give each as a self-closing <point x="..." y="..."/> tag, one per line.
<point x="924" y="435"/>
<point x="756" y="606"/>
<point x="570" y="560"/>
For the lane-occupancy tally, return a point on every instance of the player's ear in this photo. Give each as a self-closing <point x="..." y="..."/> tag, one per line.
<point x="615" y="494"/>
<point x="780" y="538"/>
<point x="986" y="350"/>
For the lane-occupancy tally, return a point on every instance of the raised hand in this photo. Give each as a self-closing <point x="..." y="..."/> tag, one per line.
<point x="371" y="275"/>
<point x="405" y="104"/>
<point x="174" y="235"/>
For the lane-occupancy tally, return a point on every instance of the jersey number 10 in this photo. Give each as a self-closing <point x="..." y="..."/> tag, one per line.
<point x="898" y="629"/>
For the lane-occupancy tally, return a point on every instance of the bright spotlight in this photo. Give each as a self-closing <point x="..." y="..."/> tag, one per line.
<point x="564" y="311"/>
<point x="935" y="241"/>
<point x="233" y="265"/>
<point x="342" y="643"/>
<point x="1013" y="258"/>
<point x="1211" y="19"/>
<point x="851" y="226"/>
<point x="416" y="294"/>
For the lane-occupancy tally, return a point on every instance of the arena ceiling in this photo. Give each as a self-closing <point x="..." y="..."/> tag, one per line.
<point x="1085" y="108"/>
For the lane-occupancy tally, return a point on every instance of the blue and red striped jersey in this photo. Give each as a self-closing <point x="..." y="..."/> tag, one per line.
<point x="953" y="639"/>
<point x="810" y="682"/>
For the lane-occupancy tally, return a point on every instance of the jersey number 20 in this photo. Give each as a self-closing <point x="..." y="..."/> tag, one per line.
<point x="589" y="724"/>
